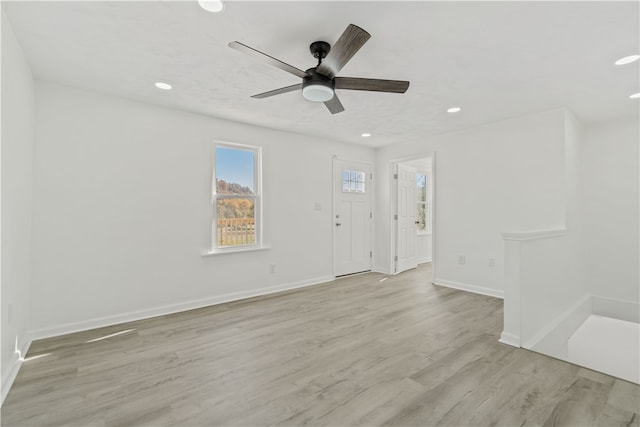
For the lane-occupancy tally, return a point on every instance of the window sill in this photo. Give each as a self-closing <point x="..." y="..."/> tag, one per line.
<point x="235" y="250"/>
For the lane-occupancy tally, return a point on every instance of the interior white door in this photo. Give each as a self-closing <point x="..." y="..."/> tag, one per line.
<point x="352" y="217"/>
<point x="406" y="218"/>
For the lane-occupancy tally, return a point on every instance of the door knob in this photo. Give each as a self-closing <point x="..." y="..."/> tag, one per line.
<point x="338" y="224"/>
<point x="417" y="222"/>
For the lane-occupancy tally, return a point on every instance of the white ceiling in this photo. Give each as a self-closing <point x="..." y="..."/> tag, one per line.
<point x="494" y="59"/>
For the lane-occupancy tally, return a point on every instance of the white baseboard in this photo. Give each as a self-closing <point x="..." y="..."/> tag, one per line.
<point x="469" y="288"/>
<point x="10" y="372"/>
<point x="424" y="260"/>
<point x="616" y="308"/>
<point x="99" y="322"/>
<point x="509" y="339"/>
<point x="553" y="337"/>
<point x="381" y="270"/>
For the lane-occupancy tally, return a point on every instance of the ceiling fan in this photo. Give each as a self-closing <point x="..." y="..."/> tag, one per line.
<point x="319" y="83"/>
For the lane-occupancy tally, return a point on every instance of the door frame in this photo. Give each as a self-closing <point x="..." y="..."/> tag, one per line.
<point x="393" y="209"/>
<point x="371" y="193"/>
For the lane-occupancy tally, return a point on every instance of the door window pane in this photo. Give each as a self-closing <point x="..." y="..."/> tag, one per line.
<point x="353" y="181"/>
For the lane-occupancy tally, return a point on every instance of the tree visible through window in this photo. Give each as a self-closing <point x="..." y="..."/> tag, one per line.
<point x="236" y="196"/>
<point x="423" y="206"/>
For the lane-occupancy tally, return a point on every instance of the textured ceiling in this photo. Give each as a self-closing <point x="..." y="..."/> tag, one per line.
<point x="494" y="59"/>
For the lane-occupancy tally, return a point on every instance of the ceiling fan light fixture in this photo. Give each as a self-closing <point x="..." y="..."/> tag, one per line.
<point x="317" y="92"/>
<point x="317" y="87"/>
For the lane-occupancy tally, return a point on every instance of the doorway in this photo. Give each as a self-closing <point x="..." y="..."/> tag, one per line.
<point x="352" y="217"/>
<point x="412" y="222"/>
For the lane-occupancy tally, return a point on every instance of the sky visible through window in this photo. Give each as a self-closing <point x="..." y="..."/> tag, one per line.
<point x="235" y="166"/>
<point x="422" y="187"/>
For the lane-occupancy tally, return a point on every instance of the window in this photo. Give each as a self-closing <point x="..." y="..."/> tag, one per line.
<point x="423" y="215"/>
<point x="236" y="196"/>
<point x="352" y="181"/>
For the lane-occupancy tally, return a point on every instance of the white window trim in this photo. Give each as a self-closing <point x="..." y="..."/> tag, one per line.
<point x="233" y="250"/>
<point x="257" y="167"/>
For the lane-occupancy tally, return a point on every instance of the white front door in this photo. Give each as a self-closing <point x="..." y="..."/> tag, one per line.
<point x="406" y="218"/>
<point x="352" y="217"/>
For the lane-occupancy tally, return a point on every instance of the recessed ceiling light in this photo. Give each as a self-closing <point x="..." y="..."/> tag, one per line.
<point x="635" y="95"/>
<point x="366" y="135"/>
<point x="627" y="59"/>
<point x="163" y="86"/>
<point x="454" y="110"/>
<point x="211" y="5"/>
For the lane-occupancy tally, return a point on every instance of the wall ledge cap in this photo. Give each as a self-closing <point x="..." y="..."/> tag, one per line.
<point x="534" y="235"/>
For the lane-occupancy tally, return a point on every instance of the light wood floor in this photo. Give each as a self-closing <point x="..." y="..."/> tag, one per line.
<point x="353" y="352"/>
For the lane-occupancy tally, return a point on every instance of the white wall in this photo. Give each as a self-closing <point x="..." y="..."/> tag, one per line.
<point x="122" y="216"/>
<point x="545" y="291"/>
<point x="555" y="283"/>
<point x="423" y="248"/>
<point x="610" y="209"/>
<point x="17" y="184"/>
<point x="550" y="284"/>
<point x="503" y="176"/>
<point x="575" y="288"/>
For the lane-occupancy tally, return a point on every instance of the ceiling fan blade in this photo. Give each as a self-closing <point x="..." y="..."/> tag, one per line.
<point x="351" y="40"/>
<point x="286" y="89"/>
<point x="269" y="59"/>
<point x="376" y="85"/>
<point x="334" y="105"/>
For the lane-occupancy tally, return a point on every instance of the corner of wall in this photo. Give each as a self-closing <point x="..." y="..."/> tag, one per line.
<point x="10" y="370"/>
<point x="18" y="144"/>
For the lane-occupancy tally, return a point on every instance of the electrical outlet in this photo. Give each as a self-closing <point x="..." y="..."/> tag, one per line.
<point x="492" y="262"/>
<point x="317" y="206"/>
<point x="272" y="268"/>
<point x="461" y="259"/>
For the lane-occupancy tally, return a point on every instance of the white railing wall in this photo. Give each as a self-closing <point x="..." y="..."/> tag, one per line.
<point x="543" y="288"/>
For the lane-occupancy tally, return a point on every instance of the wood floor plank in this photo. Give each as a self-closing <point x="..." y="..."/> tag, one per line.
<point x="356" y="351"/>
<point x="582" y="404"/>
